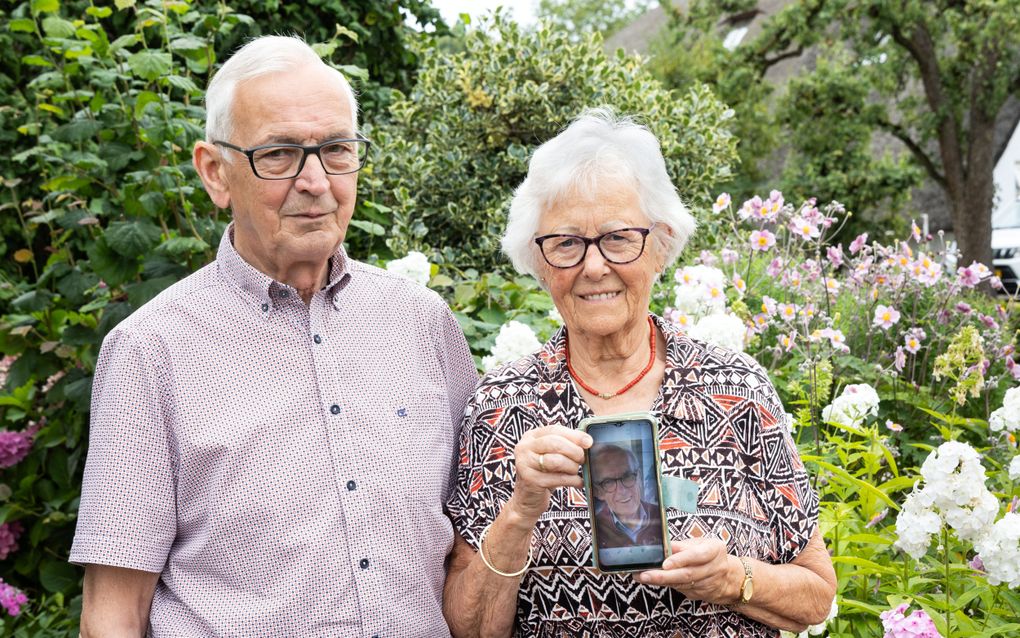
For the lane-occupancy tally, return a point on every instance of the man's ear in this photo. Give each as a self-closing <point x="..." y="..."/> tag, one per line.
<point x="209" y="163"/>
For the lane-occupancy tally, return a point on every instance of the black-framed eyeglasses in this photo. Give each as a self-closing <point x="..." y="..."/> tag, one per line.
<point x="620" y="246"/>
<point x="609" y="485"/>
<point x="285" y="161"/>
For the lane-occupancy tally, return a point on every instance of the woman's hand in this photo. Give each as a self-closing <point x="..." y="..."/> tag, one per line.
<point x="546" y="458"/>
<point x="701" y="569"/>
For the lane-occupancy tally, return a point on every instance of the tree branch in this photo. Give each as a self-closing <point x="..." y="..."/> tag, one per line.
<point x="926" y="162"/>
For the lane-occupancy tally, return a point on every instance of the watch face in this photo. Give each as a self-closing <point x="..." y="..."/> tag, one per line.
<point x="748" y="590"/>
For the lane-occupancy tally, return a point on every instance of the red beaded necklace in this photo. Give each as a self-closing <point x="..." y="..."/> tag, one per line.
<point x="641" y="375"/>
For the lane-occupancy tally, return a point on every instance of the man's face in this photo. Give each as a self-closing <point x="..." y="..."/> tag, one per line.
<point x="623" y="500"/>
<point x="283" y="223"/>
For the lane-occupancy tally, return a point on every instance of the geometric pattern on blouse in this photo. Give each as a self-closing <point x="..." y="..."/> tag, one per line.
<point x="721" y="425"/>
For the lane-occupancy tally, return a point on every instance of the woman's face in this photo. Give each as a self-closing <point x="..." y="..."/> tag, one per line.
<point x="597" y="297"/>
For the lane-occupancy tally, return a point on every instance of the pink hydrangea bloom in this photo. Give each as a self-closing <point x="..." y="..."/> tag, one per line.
<point x="762" y="240"/>
<point x="11" y="598"/>
<point x="858" y="243"/>
<point x="9" y="533"/>
<point x="15" y="446"/>
<point x="885" y="316"/>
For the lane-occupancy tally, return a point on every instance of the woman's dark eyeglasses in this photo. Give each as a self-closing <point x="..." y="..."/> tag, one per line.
<point x="620" y="246"/>
<point x="609" y="484"/>
<point x="285" y="161"/>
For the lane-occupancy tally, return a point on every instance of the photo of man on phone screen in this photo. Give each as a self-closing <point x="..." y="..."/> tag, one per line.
<point x="622" y="516"/>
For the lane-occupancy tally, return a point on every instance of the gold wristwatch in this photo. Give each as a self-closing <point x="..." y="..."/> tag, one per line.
<point x="746" y="587"/>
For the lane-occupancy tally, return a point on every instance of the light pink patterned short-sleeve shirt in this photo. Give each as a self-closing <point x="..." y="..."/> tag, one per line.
<point x="284" y="467"/>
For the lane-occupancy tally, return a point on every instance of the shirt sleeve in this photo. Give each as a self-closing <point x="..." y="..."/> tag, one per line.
<point x="790" y="501"/>
<point x="485" y="471"/>
<point x="127" y="517"/>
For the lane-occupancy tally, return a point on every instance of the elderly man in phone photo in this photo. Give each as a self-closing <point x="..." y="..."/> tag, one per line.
<point x="273" y="438"/>
<point x="623" y="518"/>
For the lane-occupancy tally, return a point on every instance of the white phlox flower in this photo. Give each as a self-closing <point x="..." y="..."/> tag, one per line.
<point x="1008" y="416"/>
<point x="515" y="340"/>
<point x="1014" y="468"/>
<point x="414" y="266"/>
<point x="1000" y="551"/>
<point x="853" y="406"/>
<point x="954" y="492"/>
<point x="915" y="525"/>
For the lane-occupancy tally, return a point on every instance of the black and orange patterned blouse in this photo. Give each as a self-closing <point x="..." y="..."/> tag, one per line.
<point x="721" y="425"/>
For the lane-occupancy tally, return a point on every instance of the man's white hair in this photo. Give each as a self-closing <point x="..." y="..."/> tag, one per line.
<point x="260" y="56"/>
<point x="598" y="149"/>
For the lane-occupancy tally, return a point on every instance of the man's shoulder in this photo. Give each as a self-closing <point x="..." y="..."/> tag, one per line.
<point x="374" y="280"/>
<point x="162" y="310"/>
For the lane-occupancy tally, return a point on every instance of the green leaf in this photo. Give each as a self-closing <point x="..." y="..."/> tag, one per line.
<point x="32" y="301"/>
<point x="149" y="64"/>
<point x="132" y="238"/>
<point x="45" y="6"/>
<point x="99" y="12"/>
<point x="77" y="130"/>
<point x="182" y="82"/>
<point x="183" y="246"/>
<point x="24" y="25"/>
<point x="35" y="60"/>
<point x="58" y="576"/>
<point x="369" y="227"/>
<point x="188" y="43"/>
<point x="124" y="41"/>
<point x="140" y="293"/>
<point x="144" y="99"/>
<point x="57" y="27"/>
<point x="124" y="4"/>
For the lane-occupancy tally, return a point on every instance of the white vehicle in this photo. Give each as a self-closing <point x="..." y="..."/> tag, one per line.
<point x="1006" y="252"/>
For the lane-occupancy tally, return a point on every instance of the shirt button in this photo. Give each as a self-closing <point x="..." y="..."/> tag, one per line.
<point x="317" y="339"/>
<point x="265" y="307"/>
<point x="363" y="563"/>
<point x="284" y="294"/>
<point x="335" y="409"/>
<point x="351" y="485"/>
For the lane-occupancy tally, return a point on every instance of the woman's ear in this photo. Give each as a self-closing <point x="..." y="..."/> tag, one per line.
<point x="210" y="165"/>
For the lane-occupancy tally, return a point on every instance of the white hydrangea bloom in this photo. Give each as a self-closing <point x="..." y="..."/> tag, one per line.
<point x="414" y="266"/>
<point x="555" y="315"/>
<point x="1000" y="551"/>
<point x="853" y="406"/>
<point x="1014" y="468"/>
<point x="515" y="340"/>
<point x="722" y="330"/>
<point x="1008" y="416"/>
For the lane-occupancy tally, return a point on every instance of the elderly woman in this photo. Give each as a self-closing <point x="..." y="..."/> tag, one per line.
<point x="596" y="221"/>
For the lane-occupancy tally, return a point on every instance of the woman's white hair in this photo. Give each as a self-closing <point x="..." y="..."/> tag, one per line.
<point x="598" y="147"/>
<point x="260" y="56"/>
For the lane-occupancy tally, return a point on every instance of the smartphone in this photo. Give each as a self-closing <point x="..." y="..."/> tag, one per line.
<point x="624" y="490"/>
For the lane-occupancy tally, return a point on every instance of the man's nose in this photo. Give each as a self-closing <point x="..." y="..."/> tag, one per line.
<point x="313" y="177"/>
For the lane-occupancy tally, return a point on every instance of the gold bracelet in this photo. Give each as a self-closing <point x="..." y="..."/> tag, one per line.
<point x="481" y="552"/>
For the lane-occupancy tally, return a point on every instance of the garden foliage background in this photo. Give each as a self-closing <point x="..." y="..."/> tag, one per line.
<point x="880" y="351"/>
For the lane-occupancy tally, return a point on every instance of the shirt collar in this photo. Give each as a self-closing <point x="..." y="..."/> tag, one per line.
<point x="263" y="290"/>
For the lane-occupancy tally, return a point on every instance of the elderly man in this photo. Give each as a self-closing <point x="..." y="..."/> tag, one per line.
<point x="273" y="438"/>
<point x="623" y="518"/>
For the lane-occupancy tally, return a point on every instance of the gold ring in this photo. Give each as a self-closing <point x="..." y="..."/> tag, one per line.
<point x="541" y="462"/>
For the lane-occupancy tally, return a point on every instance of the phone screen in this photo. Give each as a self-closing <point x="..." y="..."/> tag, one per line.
<point x="624" y="495"/>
